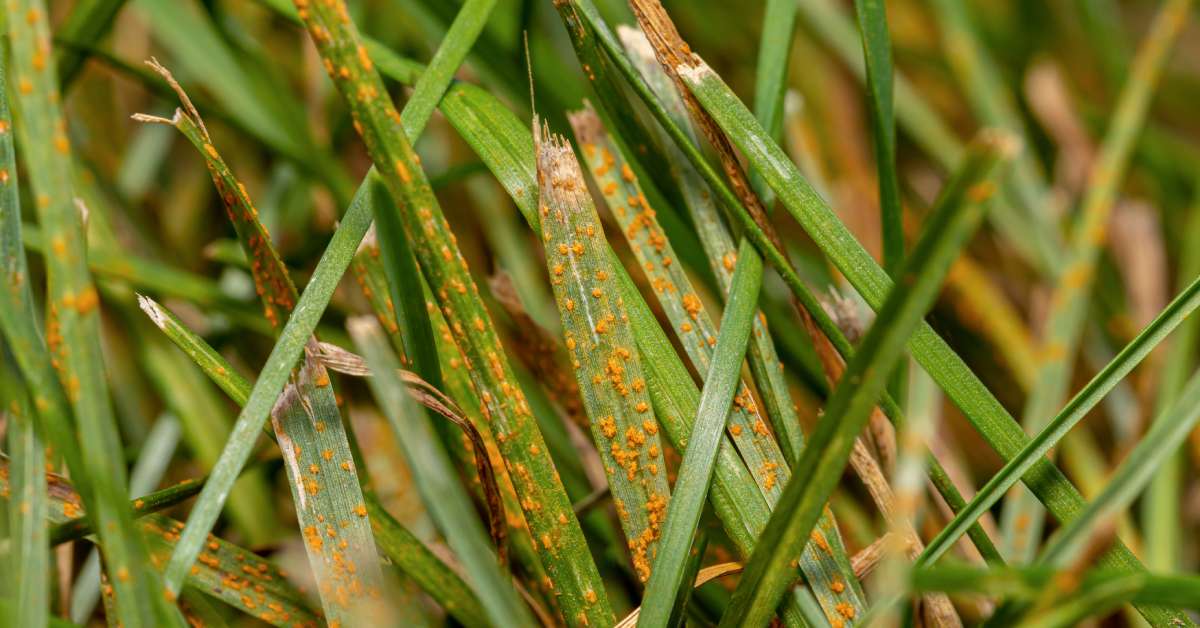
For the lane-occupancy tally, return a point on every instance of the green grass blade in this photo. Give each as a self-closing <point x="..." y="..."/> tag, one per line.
<point x="427" y="570"/>
<point x="205" y="421"/>
<point x="28" y="551"/>
<point x="73" y="330"/>
<point x="981" y="408"/>
<point x="601" y="347"/>
<point x="957" y="214"/>
<point x="877" y="55"/>
<point x="1168" y="432"/>
<point x="695" y="472"/>
<point x="445" y="62"/>
<point x="153" y="460"/>
<point x="1160" y="509"/>
<point x="26" y="527"/>
<point x="1023" y="520"/>
<point x="440" y="492"/>
<point x="226" y="572"/>
<point x="1075" y="410"/>
<point x="1028" y="583"/>
<point x="201" y="354"/>
<point x="306" y="420"/>
<point x="78" y="527"/>
<point x="565" y="556"/>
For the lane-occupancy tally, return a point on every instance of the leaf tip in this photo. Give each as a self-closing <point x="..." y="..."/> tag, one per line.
<point x="153" y="310"/>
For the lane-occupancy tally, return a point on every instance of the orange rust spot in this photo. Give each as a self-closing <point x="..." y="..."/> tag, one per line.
<point x="402" y="172"/>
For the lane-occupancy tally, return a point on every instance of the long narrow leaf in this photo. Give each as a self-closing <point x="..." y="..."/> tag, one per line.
<point x="444" y="501"/>
<point x="306" y="421"/>
<point x="877" y="54"/>
<point x="1023" y="519"/>
<point x="28" y="552"/>
<point x="981" y="408"/>
<point x="957" y="214"/>
<point x="695" y="472"/>
<point x="73" y="327"/>
<point x="601" y="347"/>
<point x="1168" y="432"/>
<point x="1075" y="410"/>
<point x="545" y="501"/>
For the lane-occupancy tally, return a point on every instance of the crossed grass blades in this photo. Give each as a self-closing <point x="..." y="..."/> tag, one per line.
<point x="642" y="408"/>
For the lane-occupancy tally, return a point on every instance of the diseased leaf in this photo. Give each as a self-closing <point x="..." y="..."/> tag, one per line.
<point x="601" y="347"/>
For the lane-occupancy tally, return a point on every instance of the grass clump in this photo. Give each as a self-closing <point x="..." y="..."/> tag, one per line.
<point x="641" y="408"/>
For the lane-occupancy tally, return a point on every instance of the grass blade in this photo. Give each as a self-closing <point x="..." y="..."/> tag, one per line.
<point x="1075" y="410"/>
<point x="1168" y="433"/>
<point x="437" y="75"/>
<point x="307" y="417"/>
<point x="28" y="552"/>
<point x="566" y="556"/>
<point x="229" y="573"/>
<point x="955" y="218"/>
<point x="877" y="55"/>
<point x="602" y="350"/>
<point x="1161" y="507"/>
<point x="981" y="408"/>
<point x="73" y="326"/>
<point x="1022" y="520"/>
<point x="695" y="472"/>
<point x="441" y="493"/>
<point x="716" y="239"/>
